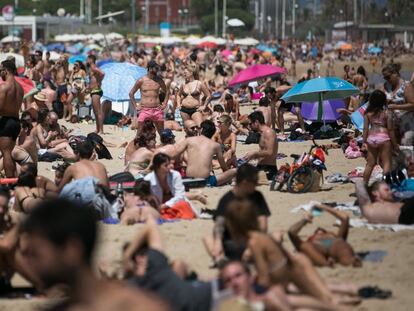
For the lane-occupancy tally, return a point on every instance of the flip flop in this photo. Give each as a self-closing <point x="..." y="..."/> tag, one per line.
<point x="374" y="292"/>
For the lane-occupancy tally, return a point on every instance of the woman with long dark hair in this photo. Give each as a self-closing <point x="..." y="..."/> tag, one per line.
<point x="379" y="138"/>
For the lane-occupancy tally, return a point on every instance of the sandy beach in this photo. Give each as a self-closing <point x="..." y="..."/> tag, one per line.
<point x="183" y="238"/>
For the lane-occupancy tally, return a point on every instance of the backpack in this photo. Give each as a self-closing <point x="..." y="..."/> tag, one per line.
<point x="252" y="138"/>
<point x="100" y="148"/>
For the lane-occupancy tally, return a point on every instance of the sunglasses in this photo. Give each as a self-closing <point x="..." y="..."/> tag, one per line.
<point x="194" y="128"/>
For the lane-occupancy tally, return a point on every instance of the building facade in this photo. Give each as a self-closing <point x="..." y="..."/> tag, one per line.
<point x="175" y="12"/>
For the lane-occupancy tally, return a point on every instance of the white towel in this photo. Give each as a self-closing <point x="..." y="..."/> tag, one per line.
<point x="362" y="223"/>
<point x="349" y="206"/>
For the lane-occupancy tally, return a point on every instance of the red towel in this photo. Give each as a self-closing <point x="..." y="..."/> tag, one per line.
<point x="181" y="210"/>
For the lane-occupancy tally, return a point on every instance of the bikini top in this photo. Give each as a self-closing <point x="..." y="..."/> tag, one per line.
<point x="195" y="93"/>
<point x="379" y="120"/>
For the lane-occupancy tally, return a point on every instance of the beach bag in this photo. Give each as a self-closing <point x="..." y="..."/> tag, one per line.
<point x="100" y="148"/>
<point x="105" y="205"/>
<point x="49" y="157"/>
<point x="252" y="138"/>
<point x="81" y="191"/>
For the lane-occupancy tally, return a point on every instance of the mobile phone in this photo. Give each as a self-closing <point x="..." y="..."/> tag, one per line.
<point x="316" y="211"/>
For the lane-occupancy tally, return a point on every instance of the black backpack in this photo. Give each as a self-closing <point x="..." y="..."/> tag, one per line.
<point x="100" y="148"/>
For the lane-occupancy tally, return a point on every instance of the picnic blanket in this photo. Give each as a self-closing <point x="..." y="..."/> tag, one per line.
<point x="349" y="206"/>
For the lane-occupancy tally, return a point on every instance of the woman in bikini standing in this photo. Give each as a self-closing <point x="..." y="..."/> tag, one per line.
<point x="379" y="137"/>
<point x="325" y="248"/>
<point x="189" y="96"/>
<point x="77" y="88"/>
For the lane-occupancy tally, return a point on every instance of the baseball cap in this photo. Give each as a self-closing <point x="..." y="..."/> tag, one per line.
<point x="167" y="134"/>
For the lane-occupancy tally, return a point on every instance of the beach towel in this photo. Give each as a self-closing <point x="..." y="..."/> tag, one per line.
<point x="181" y="210"/>
<point x="81" y="191"/>
<point x="372" y="256"/>
<point x="362" y="223"/>
<point x="349" y="206"/>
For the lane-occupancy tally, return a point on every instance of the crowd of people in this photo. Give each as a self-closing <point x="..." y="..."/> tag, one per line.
<point x="49" y="227"/>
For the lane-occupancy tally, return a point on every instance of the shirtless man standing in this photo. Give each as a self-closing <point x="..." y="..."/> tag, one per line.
<point x="267" y="145"/>
<point x="85" y="167"/>
<point x="59" y="73"/>
<point x="11" y="99"/>
<point x="200" y="152"/>
<point x="95" y="81"/>
<point x="154" y="96"/>
<point x="378" y="206"/>
<point x="66" y="260"/>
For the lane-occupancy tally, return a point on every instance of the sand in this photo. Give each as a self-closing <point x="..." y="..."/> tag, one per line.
<point x="183" y="239"/>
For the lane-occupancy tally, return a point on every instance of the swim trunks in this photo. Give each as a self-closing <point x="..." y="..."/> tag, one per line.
<point x="407" y="212"/>
<point x="211" y="180"/>
<point x="97" y="91"/>
<point x="9" y="127"/>
<point x="153" y="114"/>
<point x="270" y="170"/>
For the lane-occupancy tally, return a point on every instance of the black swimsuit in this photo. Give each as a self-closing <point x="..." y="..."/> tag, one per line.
<point x="9" y="127"/>
<point x="194" y="94"/>
<point x="407" y="212"/>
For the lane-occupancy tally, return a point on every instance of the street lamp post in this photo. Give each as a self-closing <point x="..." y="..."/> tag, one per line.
<point x="283" y="19"/>
<point x="146" y="15"/>
<point x="185" y="12"/>
<point x="224" y="17"/>
<point x="277" y="19"/>
<point x="269" y="25"/>
<point x="216" y="18"/>
<point x="293" y="18"/>
<point x="133" y="22"/>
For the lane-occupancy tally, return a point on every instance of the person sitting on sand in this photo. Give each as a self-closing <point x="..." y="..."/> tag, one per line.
<point x="11" y="260"/>
<point x="42" y="182"/>
<point x="144" y="260"/>
<point x="140" y="160"/>
<point x="27" y="194"/>
<point x="132" y="146"/>
<point x="200" y="151"/>
<point x="139" y="204"/>
<point x="325" y="248"/>
<point x="171" y="124"/>
<point x="378" y="206"/>
<point x="59" y="252"/>
<point x="191" y="129"/>
<point x="268" y="146"/>
<point x="85" y="168"/>
<point x="219" y="245"/>
<point x="265" y="109"/>
<point x="227" y="140"/>
<point x="47" y="140"/>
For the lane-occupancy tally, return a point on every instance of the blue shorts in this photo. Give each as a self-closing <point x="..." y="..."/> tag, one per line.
<point x="211" y="180"/>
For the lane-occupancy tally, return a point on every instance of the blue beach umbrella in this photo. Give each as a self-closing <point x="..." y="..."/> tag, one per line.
<point x="73" y="59"/>
<point x="374" y="50"/>
<point x="102" y="62"/>
<point x="119" y="80"/>
<point x="318" y="90"/>
<point x="55" y="47"/>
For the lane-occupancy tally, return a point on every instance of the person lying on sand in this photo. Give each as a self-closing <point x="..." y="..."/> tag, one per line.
<point x="325" y="248"/>
<point x="274" y="264"/>
<point x="378" y="206"/>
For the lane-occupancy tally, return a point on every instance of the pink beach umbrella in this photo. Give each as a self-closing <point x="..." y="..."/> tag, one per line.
<point x="256" y="72"/>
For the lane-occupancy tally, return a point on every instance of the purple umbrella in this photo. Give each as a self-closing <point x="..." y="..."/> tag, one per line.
<point x="310" y="110"/>
<point x="256" y="72"/>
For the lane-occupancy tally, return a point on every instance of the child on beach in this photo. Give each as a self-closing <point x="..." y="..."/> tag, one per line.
<point x="379" y="139"/>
